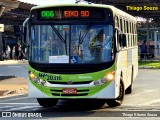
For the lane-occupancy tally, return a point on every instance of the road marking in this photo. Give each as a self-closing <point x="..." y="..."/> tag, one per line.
<point x="19" y="103"/>
<point x="148" y="91"/>
<point x="6" y="107"/>
<point x="14" y="99"/>
<point x="22" y="108"/>
<point x="151" y="102"/>
<point x="14" y="66"/>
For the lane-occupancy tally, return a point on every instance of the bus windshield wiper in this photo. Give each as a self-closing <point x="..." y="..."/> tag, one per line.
<point x="60" y="37"/>
<point x="81" y="38"/>
<point x="58" y="34"/>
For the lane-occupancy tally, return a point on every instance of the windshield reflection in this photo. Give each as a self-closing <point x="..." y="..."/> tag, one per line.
<point x="75" y="44"/>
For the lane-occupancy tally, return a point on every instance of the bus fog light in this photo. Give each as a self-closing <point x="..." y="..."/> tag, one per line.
<point x="97" y="82"/>
<point x="43" y="83"/>
<point x="37" y="80"/>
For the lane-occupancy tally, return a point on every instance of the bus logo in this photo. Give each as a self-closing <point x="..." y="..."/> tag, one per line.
<point x="70" y="82"/>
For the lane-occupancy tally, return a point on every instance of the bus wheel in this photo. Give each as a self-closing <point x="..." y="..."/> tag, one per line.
<point x="47" y="102"/>
<point x="118" y="101"/>
<point x="130" y="88"/>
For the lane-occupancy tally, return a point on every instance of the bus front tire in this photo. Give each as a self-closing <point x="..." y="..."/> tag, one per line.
<point x="47" y="102"/>
<point x="118" y="101"/>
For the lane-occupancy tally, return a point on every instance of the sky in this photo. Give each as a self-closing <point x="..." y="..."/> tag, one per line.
<point x="47" y="2"/>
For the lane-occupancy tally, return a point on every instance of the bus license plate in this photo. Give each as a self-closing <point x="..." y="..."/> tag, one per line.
<point x="69" y="91"/>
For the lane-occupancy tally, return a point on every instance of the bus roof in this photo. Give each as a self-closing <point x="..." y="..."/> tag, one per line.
<point x="115" y="10"/>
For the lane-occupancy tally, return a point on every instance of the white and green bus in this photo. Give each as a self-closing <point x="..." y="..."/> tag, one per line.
<point x="80" y="51"/>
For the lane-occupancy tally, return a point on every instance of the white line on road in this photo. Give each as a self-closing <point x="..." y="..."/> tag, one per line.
<point x="151" y="102"/>
<point x="14" y="99"/>
<point x="19" y="103"/>
<point x="6" y="107"/>
<point x="148" y="91"/>
<point x="14" y="66"/>
<point x="22" y="108"/>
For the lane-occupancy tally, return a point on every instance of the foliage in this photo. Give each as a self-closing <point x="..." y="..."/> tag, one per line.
<point x="153" y="64"/>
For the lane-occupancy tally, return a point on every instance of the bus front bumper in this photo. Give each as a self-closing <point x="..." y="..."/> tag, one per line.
<point x="104" y="91"/>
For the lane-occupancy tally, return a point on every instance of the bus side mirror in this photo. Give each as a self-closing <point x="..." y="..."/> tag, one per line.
<point x="122" y="40"/>
<point x="24" y="34"/>
<point x="24" y="31"/>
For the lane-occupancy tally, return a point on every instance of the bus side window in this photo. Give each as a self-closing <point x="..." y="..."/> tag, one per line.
<point x="116" y="22"/>
<point x="129" y="34"/>
<point x="125" y="31"/>
<point x="133" y="34"/>
<point x="117" y="33"/>
<point x="121" y="24"/>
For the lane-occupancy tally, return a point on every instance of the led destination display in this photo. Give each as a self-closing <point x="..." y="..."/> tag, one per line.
<point x="70" y="13"/>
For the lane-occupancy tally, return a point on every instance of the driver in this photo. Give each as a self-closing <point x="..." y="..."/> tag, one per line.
<point x="97" y="41"/>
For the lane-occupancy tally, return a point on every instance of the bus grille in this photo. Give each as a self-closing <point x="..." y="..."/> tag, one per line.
<point x="83" y="94"/>
<point x="74" y="83"/>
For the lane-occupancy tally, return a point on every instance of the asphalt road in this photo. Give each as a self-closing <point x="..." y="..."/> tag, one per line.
<point x="19" y="70"/>
<point x="145" y="97"/>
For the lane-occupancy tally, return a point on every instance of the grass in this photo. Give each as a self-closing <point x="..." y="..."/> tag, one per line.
<point x="153" y="64"/>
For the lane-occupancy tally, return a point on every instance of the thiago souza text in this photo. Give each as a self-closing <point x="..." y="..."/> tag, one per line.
<point x="140" y="8"/>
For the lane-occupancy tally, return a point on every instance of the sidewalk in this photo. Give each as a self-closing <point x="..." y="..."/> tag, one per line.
<point x="145" y="67"/>
<point x="5" y="62"/>
<point x="13" y="87"/>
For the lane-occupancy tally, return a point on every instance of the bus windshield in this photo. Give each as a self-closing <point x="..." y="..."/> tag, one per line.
<point x="74" y="44"/>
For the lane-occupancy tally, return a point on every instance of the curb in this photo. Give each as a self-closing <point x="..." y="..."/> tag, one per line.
<point x="15" y="91"/>
<point x="9" y="62"/>
<point x="12" y="95"/>
<point x="9" y="93"/>
<point x="6" y="77"/>
<point x="146" y="67"/>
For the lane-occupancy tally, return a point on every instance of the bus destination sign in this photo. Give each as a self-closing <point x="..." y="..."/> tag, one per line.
<point x="63" y="13"/>
<point x="66" y="14"/>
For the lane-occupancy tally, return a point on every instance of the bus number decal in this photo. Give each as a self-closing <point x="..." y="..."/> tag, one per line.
<point x="50" y="77"/>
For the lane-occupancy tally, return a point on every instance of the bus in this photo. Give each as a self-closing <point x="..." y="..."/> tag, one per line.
<point x="80" y="51"/>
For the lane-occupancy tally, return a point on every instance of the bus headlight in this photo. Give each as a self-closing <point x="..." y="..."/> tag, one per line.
<point x="37" y="80"/>
<point x="109" y="77"/>
<point x="97" y="82"/>
<point x="34" y="78"/>
<point x="43" y="83"/>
